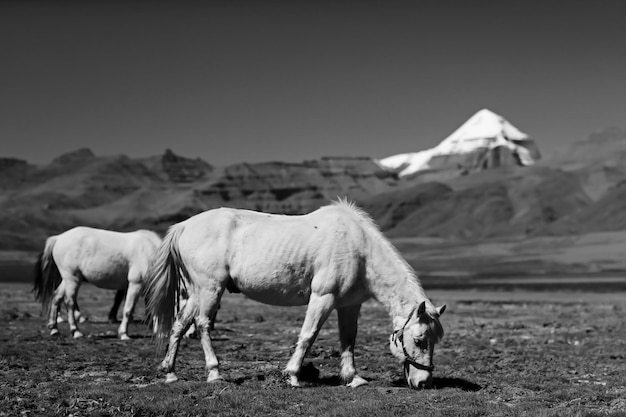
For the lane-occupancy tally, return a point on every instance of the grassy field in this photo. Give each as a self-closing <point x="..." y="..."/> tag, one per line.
<point x="504" y="353"/>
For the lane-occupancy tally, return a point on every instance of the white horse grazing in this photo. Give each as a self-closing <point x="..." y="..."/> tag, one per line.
<point x="332" y="258"/>
<point x="106" y="259"/>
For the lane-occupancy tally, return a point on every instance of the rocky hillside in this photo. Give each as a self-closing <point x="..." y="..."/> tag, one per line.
<point x="582" y="190"/>
<point x="121" y="193"/>
<point x="579" y="191"/>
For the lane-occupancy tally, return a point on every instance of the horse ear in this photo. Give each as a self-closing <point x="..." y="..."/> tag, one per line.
<point x="441" y="309"/>
<point x="421" y="309"/>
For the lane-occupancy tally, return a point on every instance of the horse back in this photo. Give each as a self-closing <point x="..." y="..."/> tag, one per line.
<point x="98" y="256"/>
<point x="275" y="259"/>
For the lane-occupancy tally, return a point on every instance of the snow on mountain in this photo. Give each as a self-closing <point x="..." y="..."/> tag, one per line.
<point x="486" y="139"/>
<point x="406" y="163"/>
<point x="483" y="129"/>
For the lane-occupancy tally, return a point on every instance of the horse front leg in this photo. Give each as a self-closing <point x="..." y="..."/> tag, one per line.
<point x="132" y="295"/>
<point x="347" y="318"/>
<point x="317" y="312"/>
<point x="182" y="323"/>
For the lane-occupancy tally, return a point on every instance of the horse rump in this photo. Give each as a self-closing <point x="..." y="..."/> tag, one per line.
<point x="163" y="286"/>
<point x="47" y="275"/>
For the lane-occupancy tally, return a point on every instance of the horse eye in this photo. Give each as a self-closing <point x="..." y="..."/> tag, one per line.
<point x="418" y="342"/>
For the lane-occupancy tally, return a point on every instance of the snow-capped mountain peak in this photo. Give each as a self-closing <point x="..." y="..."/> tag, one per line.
<point x="472" y="145"/>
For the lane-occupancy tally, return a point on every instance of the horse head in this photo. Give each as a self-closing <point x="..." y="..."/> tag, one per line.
<point x="414" y="345"/>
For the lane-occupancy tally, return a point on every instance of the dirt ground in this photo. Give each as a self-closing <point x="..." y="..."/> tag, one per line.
<point x="504" y="353"/>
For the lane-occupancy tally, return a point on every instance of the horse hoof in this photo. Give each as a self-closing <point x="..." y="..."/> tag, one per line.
<point x="357" y="381"/>
<point x="82" y="319"/>
<point x="77" y="334"/>
<point x="294" y="382"/>
<point x="214" y="376"/>
<point x="54" y="332"/>
<point x="124" y="336"/>
<point x="215" y="379"/>
<point x="170" y="377"/>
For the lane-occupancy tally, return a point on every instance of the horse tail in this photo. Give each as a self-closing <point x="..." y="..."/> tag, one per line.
<point x="47" y="275"/>
<point x="163" y="286"/>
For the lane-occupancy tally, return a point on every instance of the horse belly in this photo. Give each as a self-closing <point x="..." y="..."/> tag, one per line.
<point x="286" y="288"/>
<point x="108" y="275"/>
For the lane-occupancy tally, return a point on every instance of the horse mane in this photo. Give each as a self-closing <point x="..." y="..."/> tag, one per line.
<point x="370" y="225"/>
<point x="410" y="276"/>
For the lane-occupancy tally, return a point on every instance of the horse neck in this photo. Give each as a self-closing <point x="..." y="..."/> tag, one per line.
<point x="394" y="283"/>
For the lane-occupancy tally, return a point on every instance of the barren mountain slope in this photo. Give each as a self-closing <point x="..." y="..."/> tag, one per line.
<point x="577" y="192"/>
<point x="120" y="193"/>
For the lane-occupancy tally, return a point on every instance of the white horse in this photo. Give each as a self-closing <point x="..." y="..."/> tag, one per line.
<point x="332" y="258"/>
<point x="106" y="259"/>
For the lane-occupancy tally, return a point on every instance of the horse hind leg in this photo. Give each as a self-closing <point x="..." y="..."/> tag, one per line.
<point x="347" y="318"/>
<point x="214" y="318"/>
<point x="209" y="301"/>
<point x="317" y="312"/>
<point x="80" y="317"/>
<point x="182" y="323"/>
<point x="191" y="332"/>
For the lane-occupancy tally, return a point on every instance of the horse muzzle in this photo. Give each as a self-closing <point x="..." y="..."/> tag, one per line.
<point x="417" y="378"/>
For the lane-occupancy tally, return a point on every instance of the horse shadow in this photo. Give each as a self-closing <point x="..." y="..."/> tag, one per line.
<point x="460" y="383"/>
<point x="309" y="373"/>
<point x="445" y="382"/>
<point x="114" y="335"/>
<point x="312" y="376"/>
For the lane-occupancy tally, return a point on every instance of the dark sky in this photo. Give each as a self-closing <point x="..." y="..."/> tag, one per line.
<point x="255" y="81"/>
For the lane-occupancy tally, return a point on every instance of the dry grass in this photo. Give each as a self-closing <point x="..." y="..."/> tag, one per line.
<point x="543" y="354"/>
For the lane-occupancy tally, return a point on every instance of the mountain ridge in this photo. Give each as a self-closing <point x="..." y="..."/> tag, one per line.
<point x="578" y="192"/>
